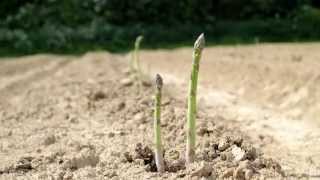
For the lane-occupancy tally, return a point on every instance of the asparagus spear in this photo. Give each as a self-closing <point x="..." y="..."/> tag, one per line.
<point x="157" y="130"/>
<point x="192" y="99"/>
<point x="136" y="56"/>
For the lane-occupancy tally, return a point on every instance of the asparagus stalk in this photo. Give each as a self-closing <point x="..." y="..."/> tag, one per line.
<point x="136" y="56"/>
<point x="192" y="99"/>
<point x="132" y="62"/>
<point x="157" y="130"/>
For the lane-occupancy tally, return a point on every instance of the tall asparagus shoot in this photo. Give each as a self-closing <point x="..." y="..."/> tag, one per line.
<point x="157" y="130"/>
<point x="132" y="62"/>
<point x="136" y="56"/>
<point x="192" y="99"/>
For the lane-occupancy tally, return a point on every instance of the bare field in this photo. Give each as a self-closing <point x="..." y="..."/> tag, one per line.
<point x="65" y="117"/>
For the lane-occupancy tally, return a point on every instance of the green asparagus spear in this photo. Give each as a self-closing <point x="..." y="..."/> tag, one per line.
<point x="157" y="126"/>
<point x="136" y="56"/>
<point x="192" y="100"/>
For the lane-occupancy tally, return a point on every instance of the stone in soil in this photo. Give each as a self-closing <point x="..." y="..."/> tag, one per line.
<point x="238" y="153"/>
<point x="126" y="82"/>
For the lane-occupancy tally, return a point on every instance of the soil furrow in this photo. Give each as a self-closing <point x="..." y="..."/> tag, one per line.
<point x="15" y="84"/>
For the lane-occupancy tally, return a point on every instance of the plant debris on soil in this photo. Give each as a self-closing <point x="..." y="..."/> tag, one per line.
<point x="88" y="119"/>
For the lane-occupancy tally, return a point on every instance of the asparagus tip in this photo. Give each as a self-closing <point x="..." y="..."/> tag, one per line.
<point x="200" y="42"/>
<point x="139" y="38"/>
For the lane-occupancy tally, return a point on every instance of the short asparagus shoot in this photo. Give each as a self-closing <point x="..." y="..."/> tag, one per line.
<point x="192" y="99"/>
<point x="157" y="124"/>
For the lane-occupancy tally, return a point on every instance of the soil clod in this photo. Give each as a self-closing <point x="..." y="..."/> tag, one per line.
<point x="24" y="164"/>
<point x="224" y="143"/>
<point x="87" y="157"/>
<point x="202" y="169"/>
<point x="49" y="139"/>
<point x="96" y="96"/>
<point x="145" y="153"/>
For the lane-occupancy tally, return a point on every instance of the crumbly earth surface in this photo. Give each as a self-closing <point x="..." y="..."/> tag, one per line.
<point x="86" y="117"/>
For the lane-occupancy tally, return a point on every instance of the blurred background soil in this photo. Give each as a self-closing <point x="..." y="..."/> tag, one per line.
<point x="75" y="117"/>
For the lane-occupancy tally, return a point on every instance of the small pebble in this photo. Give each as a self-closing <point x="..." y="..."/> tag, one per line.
<point x="248" y="174"/>
<point x="238" y="153"/>
<point x="139" y="117"/>
<point x="126" y="82"/>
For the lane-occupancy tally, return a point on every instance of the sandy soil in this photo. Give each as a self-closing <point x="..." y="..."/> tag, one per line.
<point x="84" y="118"/>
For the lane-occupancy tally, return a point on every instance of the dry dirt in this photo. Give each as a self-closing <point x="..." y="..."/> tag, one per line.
<point x="66" y="117"/>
